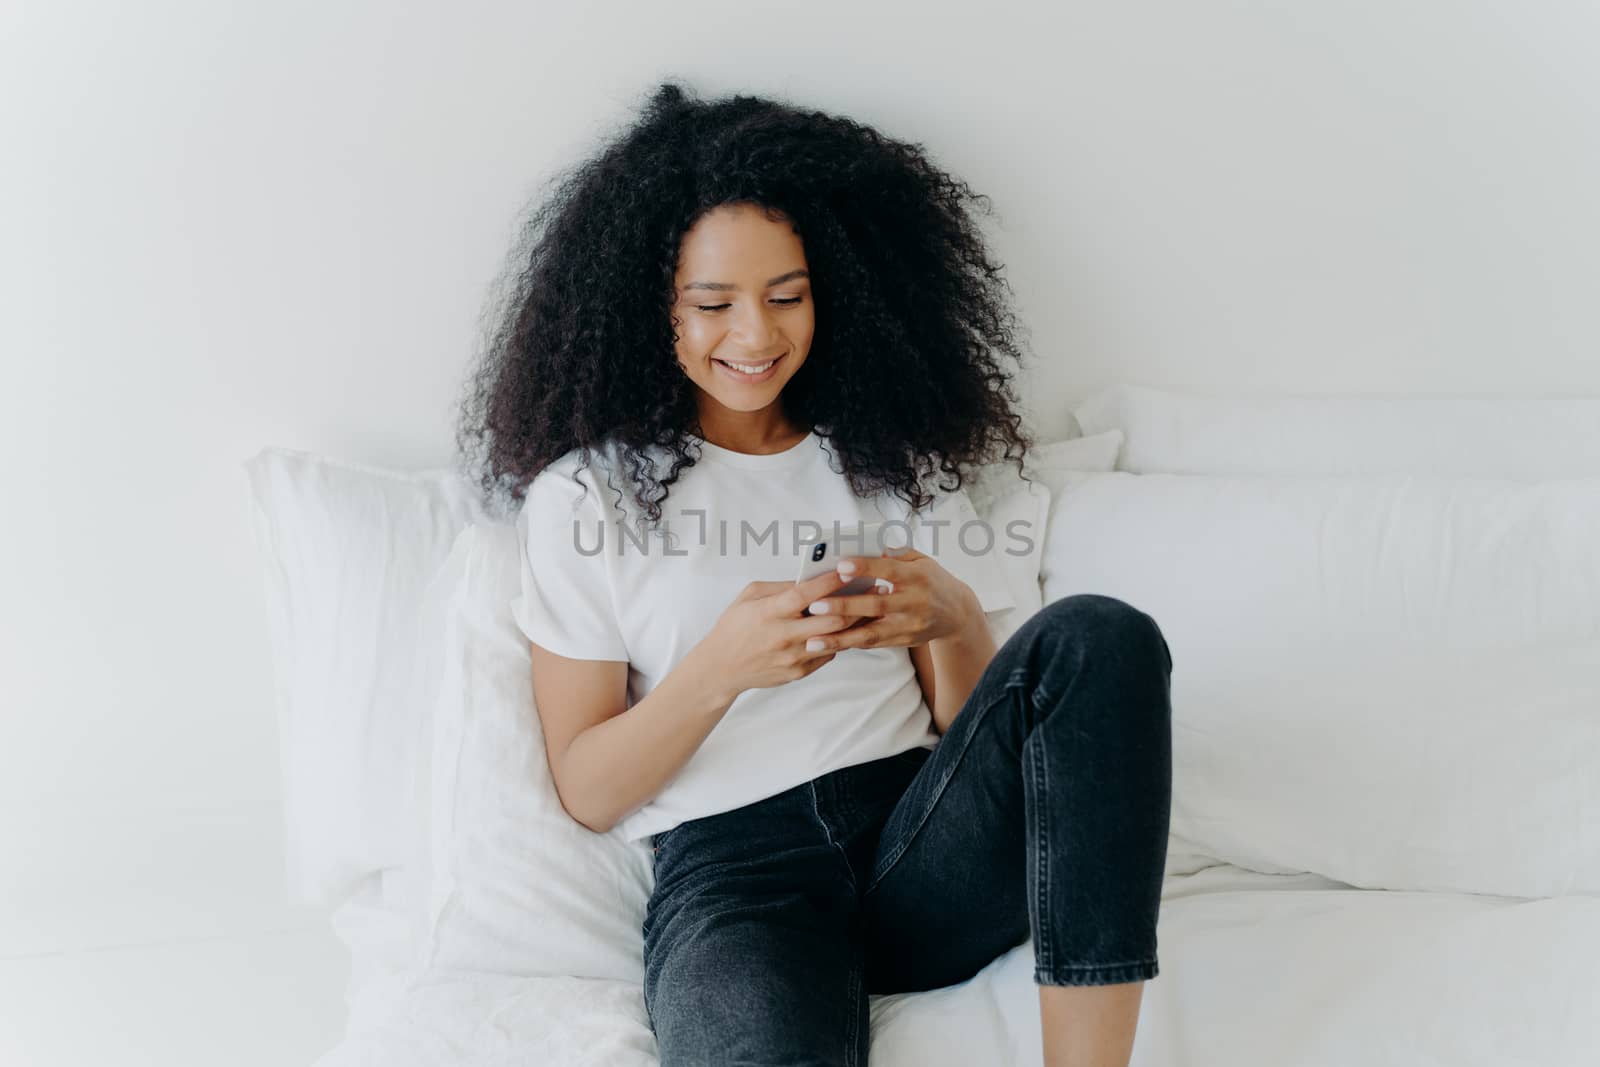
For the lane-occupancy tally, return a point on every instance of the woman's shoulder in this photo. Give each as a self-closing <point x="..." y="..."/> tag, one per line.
<point x="595" y="484"/>
<point x="572" y="482"/>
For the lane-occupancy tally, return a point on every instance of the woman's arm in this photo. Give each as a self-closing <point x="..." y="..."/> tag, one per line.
<point x="607" y="761"/>
<point x="948" y="668"/>
<point x="929" y="611"/>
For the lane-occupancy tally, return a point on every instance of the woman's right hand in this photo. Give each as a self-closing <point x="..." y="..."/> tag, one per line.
<point x="760" y="639"/>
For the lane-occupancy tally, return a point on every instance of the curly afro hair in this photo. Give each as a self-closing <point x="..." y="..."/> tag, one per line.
<point x="904" y="379"/>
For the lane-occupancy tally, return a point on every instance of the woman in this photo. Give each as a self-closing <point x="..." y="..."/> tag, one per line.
<point x="783" y="320"/>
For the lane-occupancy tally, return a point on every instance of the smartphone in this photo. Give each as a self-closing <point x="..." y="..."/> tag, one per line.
<point x="819" y="557"/>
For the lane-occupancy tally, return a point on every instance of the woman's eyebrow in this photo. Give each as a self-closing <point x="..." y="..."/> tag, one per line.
<point x="727" y="287"/>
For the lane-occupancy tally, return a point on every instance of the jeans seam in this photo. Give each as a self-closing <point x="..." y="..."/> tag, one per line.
<point x="827" y="831"/>
<point x="938" y="792"/>
<point x="1041" y="881"/>
<point x="852" y="992"/>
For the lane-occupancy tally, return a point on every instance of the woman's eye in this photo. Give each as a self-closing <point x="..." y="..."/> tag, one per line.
<point x="788" y="302"/>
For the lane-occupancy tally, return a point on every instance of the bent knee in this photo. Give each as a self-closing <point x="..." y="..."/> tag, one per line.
<point x="1098" y="617"/>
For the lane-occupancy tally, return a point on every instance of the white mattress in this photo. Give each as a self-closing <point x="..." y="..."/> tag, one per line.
<point x="1256" y="970"/>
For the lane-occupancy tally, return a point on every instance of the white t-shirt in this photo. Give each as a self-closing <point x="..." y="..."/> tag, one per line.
<point x="597" y="583"/>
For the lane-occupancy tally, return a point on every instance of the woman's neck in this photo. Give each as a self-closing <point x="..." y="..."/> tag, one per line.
<point x="752" y="436"/>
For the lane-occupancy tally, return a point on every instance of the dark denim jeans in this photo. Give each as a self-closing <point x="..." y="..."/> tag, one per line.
<point x="1042" y="811"/>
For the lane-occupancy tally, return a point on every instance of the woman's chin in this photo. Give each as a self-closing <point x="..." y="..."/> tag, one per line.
<point x="744" y="401"/>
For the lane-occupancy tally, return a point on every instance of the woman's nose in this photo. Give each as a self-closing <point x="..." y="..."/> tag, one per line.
<point x="754" y="329"/>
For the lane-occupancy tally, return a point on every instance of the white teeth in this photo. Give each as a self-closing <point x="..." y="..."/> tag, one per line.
<point x="749" y="370"/>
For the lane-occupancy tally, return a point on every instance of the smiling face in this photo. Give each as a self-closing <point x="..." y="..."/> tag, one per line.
<point x="743" y="300"/>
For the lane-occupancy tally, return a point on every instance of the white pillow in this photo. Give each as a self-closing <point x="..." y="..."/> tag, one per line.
<point x="512" y="883"/>
<point x="1052" y="462"/>
<point x="1188" y="431"/>
<point x="347" y="550"/>
<point x="1047" y="464"/>
<point x="1018" y="519"/>
<point x="1018" y="510"/>
<point x="1390" y="681"/>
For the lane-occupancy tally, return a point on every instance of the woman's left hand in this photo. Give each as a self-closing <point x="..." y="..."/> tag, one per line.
<point x="927" y="602"/>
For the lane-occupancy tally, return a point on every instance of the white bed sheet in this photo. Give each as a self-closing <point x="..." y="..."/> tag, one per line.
<point x="1256" y="970"/>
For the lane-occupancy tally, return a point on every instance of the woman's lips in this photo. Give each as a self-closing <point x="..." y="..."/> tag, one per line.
<point x="750" y="379"/>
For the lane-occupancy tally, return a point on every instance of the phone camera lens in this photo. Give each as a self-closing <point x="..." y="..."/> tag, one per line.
<point x="819" y="551"/>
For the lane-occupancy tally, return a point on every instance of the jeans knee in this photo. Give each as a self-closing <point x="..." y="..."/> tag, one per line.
<point x="1098" y="618"/>
<point x="1097" y="651"/>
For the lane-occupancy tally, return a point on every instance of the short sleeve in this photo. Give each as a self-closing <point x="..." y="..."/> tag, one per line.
<point x="965" y="546"/>
<point x="565" y="603"/>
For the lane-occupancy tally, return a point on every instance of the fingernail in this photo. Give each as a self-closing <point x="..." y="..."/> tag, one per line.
<point x="847" y="567"/>
<point x="813" y="644"/>
<point x="819" y="608"/>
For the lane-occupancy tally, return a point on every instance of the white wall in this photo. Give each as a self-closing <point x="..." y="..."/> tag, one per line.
<point x="224" y="226"/>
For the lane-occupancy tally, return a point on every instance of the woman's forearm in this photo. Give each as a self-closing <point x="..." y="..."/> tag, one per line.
<point x="618" y="765"/>
<point x="958" y="662"/>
